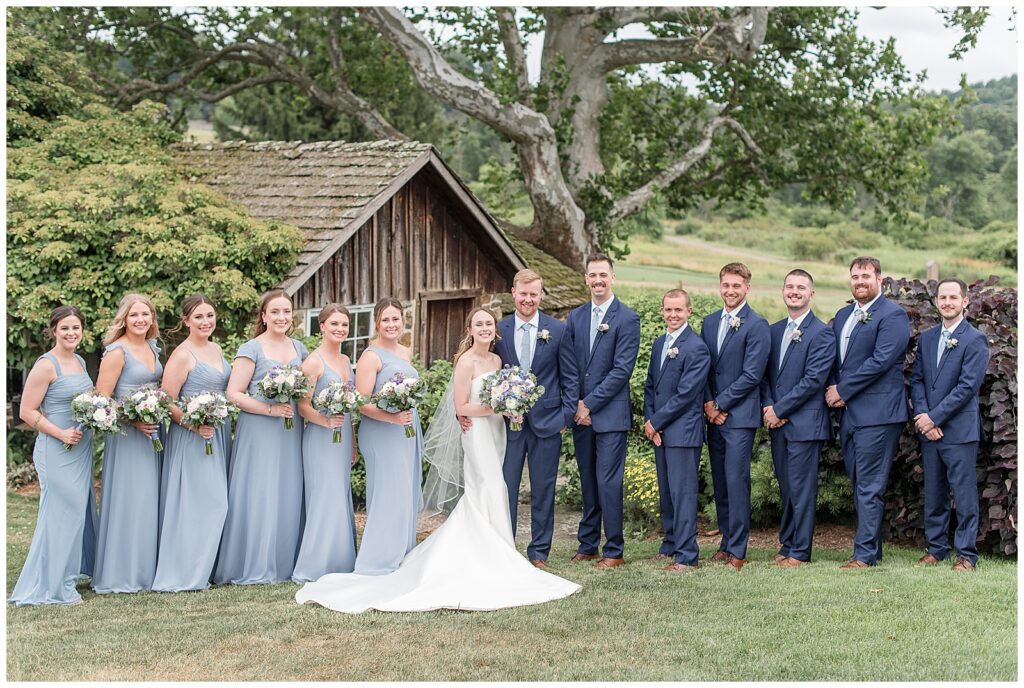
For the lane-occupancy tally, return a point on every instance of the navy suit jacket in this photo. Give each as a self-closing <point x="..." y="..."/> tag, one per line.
<point x="870" y="379"/>
<point x="797" y="389"/>
<point x="553" y="411"/>
<point x="674" y="393"/>
<point x="601" y="377"/>
<point x="734" y="380"/>
<point x="948" y="392"/>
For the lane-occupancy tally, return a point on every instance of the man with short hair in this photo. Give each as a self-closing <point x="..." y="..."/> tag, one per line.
<point x="803" y="349"/>
<point x="673" y="393"/>
<point x="536" y="342"/>
<point x="738" y="340"/>
<point x="866" y="388"/>
<point x="948" y="371"/>
<point x="604" y="339"/>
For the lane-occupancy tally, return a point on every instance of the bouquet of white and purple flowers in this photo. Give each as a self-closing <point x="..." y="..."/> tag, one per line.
<point x="400" y="393"/>
<point x="284" y="383"/>
<point x="148" y="404"/>
<point x="206" y="408"/>
<point x="337" y="399"/>
<point x="512" y="391"/>
<point x="94" y="411"/>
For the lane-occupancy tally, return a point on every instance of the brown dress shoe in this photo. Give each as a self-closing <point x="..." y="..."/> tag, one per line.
<point x="659" y="557"/>
<point x="779" y="558"/>
<point x="736" y="563"/>
<point x="927" y="560"/>
<point x="790" y="563"/>
<point x="679" y="567"/>
<point x="609" y="563"/>
<point x="584" y="557"/>
<point x="855" y="564"/>
<point x="720" y="556"/>
<point x="963" y="564"/>
<point x="539" y="563"/>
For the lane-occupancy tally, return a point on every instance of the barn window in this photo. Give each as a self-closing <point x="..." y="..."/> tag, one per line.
<point x="360" y="329"/>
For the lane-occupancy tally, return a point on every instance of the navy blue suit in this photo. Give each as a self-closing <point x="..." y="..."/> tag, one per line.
<point x="673" y="403"/>
<point x="540" y="440"/>
<point x="600" y="378"/>
<point x="948" y="393"/>
<point x="734" y="383"/>
<point x="796" y="391"/>
<point x="870" y="382"/>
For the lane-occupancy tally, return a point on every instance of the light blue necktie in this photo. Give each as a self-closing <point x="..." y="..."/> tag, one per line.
<point x="943" y="343"/>
<point x="664" y="349"/>
<point x="525" y="354"/>
<point x="595" y="320"/>
<point x="786" y="339"/>
<point x="723" y="328"/>
<point x="851" y="322"/>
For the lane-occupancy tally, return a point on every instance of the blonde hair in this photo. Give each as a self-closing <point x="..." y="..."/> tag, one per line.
<point x="527" y="275"/>
<point x="118" y="328"/>
<point x="467" y="340"/>
<point x="265" y="300"/>
<point x="378" y="313"/>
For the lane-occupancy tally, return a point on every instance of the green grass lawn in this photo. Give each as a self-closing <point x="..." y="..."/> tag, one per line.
<point x="893" y="622"/>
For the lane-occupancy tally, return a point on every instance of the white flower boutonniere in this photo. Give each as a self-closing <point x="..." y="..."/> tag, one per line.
<point x="544" y="335"/>
<point x="863" y="317"/>
<point x="603" y="327"/>
<point x="796" y="336"/>
<point x="951" y="343"/>
<point x="735" y="322"/>
<point x="673" y="352"/>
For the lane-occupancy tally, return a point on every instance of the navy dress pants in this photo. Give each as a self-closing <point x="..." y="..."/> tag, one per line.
<point x="730" y="450"/>
<point x="681" y="464"/>
<point x="601" y="457"/>
<point x="867" y="455"/>
<point x="796" y="467"/>
<point x="542" y="453"/>
<point x="951" y="468"/>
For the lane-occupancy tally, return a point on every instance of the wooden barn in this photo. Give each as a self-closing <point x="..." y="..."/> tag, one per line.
<point x="383" y="218"/>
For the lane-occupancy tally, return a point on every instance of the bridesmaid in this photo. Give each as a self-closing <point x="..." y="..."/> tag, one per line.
<point x="329" y="540"/>
<point x="130" y="494"/>
<point x="65" y="537"/>
<point x="194" y="484"/>
<point x="392" y="460"/>
<point x="264" y="522"/>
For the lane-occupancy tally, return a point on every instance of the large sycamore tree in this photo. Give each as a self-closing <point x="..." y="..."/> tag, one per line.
<point x="682" y="104"/>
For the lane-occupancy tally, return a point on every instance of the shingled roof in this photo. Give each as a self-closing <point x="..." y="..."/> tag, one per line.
<point x="329" y="189"/>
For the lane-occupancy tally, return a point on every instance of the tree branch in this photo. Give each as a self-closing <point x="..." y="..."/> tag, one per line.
<point x="514" y="52"/>
<point x="636" y="199"/>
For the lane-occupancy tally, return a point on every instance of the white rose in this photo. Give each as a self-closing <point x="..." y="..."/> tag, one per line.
<point x="512" y="404"/>
<point x="99" y="416"/>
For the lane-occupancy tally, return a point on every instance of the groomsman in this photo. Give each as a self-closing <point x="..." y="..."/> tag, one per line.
<point x="803" y="349"/>
<point x="604" y="340"/>
<point x="533" y="340"/>
<point x="674" y="423"/>
<point x="948" y="371"/>
<point x="738" y="340"/>
<point x="872" y="335"/>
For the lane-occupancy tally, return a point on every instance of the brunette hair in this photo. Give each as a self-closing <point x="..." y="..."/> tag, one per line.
<point x="950" y="280"/>
<point x="467" y="340"/>
<point x="799" y="272"/>
<point x="265" y="300"/>
<point x="118" y="328"/>
<point x="735" y="269"/>
<point x="188" y="305"/>
<point x="863" y="261"/>
<point x="329" y="310"/>
<point x="58" y="314"/>
<point x="378" y="312"/>
<point x="597" y="258"/>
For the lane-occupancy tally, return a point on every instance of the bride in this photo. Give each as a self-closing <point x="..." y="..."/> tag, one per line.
<point x="470" y="562"/>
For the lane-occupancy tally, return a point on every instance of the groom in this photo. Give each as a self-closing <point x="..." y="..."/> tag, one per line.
<point x="532" y="340"/>
<point x="604" y="339"/>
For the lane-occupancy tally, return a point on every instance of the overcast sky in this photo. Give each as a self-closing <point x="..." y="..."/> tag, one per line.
<point x="921" y="39"/>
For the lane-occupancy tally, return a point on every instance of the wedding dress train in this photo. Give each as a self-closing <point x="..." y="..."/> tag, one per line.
<point x="470" y="562"/>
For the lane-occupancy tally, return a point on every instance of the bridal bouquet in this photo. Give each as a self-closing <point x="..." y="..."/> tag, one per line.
<point x="512" y="391"/>
<point x="400" y="393"/>
<point x="282" y="384"/>
<point x="337" y="399"/>
<point x="206" y="408"/>
<point x="148" y="404"/>
<point x="94" y="411"/>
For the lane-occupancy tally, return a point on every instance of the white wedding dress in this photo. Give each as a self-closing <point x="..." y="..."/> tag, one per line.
<point x="470" y="562"/>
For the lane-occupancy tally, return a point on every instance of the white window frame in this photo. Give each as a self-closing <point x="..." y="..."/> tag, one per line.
<point x="365" y="309"/>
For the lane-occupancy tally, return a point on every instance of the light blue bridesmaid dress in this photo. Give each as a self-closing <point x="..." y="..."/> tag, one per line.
<point x="393" y="476"/>
<point x="130" y="494"/>
<point x="265" y="511"/>
<point x="329" y="539"/>
<point x="195" y="493"/>
<point x="64" y="541"/>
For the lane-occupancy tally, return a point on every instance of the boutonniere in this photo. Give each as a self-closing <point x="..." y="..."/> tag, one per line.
<point x="863" y="317"/>
<point x="735" y="322"/>
<point x="796" y="336"/>
<point x="603" y="327"/>
<point x="544" y="335"/>
<point x="951" y="343"/>
<point x="673" y="352"/>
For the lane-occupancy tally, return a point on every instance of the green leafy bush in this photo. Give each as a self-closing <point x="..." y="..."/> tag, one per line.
<point x="994" y="244"/>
